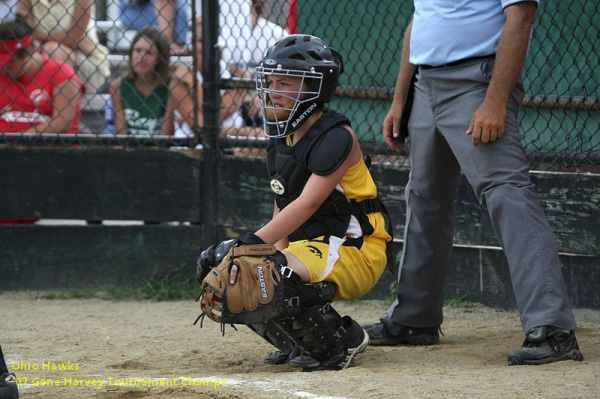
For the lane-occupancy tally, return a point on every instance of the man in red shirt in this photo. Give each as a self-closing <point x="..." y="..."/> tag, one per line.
<point x="37" y="94"/>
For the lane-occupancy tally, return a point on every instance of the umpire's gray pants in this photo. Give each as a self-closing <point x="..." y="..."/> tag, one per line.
<point x="445" y="100"/>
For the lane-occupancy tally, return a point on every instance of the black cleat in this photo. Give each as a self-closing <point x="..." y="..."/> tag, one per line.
<point x="380" y="335"/>
<point x="546" y="344"/>
<point x="304" y="361"/>
<point x="280" y="357"/>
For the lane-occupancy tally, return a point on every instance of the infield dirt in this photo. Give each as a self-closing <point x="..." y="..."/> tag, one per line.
<point x="131" y="347"/>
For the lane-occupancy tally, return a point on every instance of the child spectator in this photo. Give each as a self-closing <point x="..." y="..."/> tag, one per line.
<point x="171" y="17"/>
<point x="66" y="29"/>
<point x="140" y="96"/>
<point x="39" y="95"/>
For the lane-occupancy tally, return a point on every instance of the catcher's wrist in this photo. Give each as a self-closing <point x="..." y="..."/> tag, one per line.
<point x="249" y="239"/>
<point x="211" y="257"/>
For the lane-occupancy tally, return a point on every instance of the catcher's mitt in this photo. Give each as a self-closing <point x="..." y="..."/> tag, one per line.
<point x="255" y="296"/>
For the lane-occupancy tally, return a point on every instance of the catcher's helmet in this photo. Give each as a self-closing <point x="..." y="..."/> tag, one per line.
<point x="301" y="56"/>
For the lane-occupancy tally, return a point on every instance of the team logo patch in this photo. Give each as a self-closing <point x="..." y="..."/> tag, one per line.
<point x="270" y="61"/>
<point x="277" y="187"/>
<point x="315" y="251"/>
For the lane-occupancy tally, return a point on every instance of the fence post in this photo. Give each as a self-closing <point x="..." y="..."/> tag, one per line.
<point x="212" y="120"/>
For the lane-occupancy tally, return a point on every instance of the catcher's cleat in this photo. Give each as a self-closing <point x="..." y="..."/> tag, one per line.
<point x="546" y="344"/>
<point x="380" y="334"/>
<point x="304" y="361"/>
<point x="355" y="341"/>
<point x="280" y="357"/>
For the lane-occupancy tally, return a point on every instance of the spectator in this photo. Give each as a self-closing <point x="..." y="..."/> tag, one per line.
<point x="66" y="29"/>
<point x="171" y="17"/>
<point x="242" y="62"/>
<point x="8" y="9"/>
<point x="38" y="94"/>
<point x="182" y="105"/>
<point x="292" y="14"/>
<point x="140" y="96"/>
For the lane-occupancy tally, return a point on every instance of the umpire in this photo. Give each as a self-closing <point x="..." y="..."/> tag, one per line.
<point x="467" y="56"/>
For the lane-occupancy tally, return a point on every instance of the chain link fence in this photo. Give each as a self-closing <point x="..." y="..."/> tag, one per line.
<point x="142" y="64"/>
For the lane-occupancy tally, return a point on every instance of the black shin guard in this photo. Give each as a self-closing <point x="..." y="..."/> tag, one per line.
<point x="297" y="296"/>
<point x="317" y="330"/>
<point x="271" y="333"/>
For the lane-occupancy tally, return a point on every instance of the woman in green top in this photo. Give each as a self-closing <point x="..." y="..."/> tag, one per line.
<point x="140" y="96"/>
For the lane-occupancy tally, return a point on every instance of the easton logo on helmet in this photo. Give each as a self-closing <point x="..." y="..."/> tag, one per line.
<point x="270" y="61"/>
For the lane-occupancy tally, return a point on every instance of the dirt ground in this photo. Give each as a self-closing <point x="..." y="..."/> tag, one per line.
<point x="149" y="349"/>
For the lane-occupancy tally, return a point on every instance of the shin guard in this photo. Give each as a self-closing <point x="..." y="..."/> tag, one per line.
<point x="271" y="333"/>
<point x="317" y="330"/>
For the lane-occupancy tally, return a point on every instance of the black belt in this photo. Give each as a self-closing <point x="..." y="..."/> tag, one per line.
<point x="345" y="208"/>
<point x="458" y="62"/>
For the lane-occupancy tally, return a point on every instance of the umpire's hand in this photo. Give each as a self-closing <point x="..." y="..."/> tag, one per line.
<point x="391" y="127"/>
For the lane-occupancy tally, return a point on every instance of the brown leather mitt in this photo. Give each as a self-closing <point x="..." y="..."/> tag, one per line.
<point x="250" y="298"/>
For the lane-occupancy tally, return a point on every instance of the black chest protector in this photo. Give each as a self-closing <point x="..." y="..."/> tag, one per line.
<point x="290" y="167"/>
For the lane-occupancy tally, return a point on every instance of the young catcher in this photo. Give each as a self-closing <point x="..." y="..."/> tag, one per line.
<point x="327" y="239"/>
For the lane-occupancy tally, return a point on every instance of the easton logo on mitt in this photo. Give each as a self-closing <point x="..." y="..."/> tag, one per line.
<point x="255" y="295"/>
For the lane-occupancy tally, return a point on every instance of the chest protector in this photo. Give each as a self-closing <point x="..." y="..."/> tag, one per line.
<point x="289" y="171"/>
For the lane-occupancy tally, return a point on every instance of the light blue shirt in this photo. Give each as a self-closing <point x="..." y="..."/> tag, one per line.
<point x="444" y="31"/>
<point x="8" y="9"/>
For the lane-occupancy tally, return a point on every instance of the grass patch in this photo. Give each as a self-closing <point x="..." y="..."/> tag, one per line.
<point x="353" y="302"/>
<point x="72" y="294"/>
<point x="121" y="294"/>
<point x="173" y="285"/>
<point x="394" y="284"/>
<point x="393" y="293"/>
<point x="458" y="301"/>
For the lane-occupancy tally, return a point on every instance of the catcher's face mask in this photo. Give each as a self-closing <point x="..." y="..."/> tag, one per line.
<point x="287" y="97"/>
